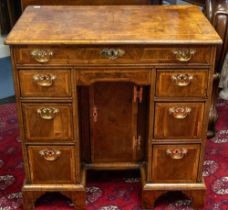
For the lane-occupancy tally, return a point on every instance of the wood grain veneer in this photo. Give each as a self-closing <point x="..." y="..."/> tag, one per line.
<point x="59" y="171"/>
<point x="130" y="91"/>
<point x="60" y="127"/>
<point x="59" y="86"/>
<point x="188" y="125"/>
<point x="142" y="54"/>
<point x="182" y="83"/>
<point x="113" y="25"/>
<point x="168" y="170"/>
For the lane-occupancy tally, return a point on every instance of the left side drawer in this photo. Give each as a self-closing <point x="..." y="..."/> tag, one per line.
<point x="52" y="164"/>
<point x="45" y="83"/>
<point x="48" y="121"/>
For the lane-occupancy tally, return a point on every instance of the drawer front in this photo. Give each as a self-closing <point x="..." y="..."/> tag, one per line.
<point x="48" y="121"/>
<point x="113" y="55"/>
<point x="178" y="120"/>
<point x="45" y="83"/>
<point x="175" y="163"/>
<point x="182" y="83"/>
<point x="88" y="77"/>
<point x="52" y="164"/>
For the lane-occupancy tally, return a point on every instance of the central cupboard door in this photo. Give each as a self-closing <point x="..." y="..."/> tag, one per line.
<point x="113" y="123"/>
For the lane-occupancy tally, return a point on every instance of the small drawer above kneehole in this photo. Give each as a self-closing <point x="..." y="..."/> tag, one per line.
<point x="88" y="77"/>
<point x="182" y="83"/>
<point x="52" y="164"/>
<point x="175" y="163"/>
<point x="45" y="83"/>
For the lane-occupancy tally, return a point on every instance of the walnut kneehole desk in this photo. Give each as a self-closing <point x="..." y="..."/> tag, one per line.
<point x="113" y="87"/>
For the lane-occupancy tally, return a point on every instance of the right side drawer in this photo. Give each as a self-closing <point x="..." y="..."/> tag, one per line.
<point x="175" y="163"/>
<point x="177" y="120"/>
<point x="182" y="83"/>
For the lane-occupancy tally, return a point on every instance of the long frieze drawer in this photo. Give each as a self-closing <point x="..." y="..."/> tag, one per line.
<point x="183" y="83"/>
<point x="129" y="54"/>
<point x="175" y="163"/>
<point x="45" y="83"/>
<point x="178" y="120"/>
<point x="47" y="121"/>
<point x="52" y="164"/>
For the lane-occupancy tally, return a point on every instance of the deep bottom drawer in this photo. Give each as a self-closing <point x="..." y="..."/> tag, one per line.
<point x="175" y="163"/>
<point x="52" y="164"/>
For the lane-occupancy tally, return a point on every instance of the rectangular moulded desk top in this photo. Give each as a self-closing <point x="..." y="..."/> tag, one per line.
<point x="112" y="25"/>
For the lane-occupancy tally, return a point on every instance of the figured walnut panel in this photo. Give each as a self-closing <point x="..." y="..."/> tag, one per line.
<point x="132" y="54"/>
<point x="167" y="168"/>
<point x="57" y="167"/>
<point x="182" y="125"/>
<point x="57" y="129"/>
<point x="112" y="108"/>
<point x="60" y="85"/>
<point x="114" y="125"/>
<point x="177" y="24"/>
<point x="183" y="83"/>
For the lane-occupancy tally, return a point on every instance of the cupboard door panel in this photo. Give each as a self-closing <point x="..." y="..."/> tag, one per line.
<point x="113" y="122"/>
<point x="48" y="121"/>
<point x="178" y="120"/>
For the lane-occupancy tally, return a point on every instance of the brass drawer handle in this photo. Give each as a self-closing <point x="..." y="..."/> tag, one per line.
<point x="112" y="53"/>
<point x="44" y="80"/>
<point x="42" y="55"/>
<point x="177" y="154"/>
<point x="182" y="80"/>
<point x="184" y="55"/>
<point x="47" y="113"/>
<point x="180" y="112"/>
<point x="50" y="154"/>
